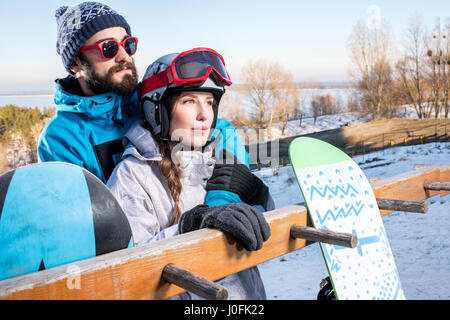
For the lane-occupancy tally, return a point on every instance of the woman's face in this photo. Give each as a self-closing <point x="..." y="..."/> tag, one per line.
<point x="192" y="117"/>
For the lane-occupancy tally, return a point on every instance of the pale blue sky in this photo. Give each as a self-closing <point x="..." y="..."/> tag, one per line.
<point x="308" y="37"/>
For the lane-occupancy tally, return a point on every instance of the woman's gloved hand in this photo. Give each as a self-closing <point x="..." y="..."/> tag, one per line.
<point x="237" y="178"/>
<point x="240" y="220"/>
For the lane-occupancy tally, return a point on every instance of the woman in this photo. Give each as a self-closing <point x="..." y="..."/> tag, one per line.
<point x="162" y="181"/>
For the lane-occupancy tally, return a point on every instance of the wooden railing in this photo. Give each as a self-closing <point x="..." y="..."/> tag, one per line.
<point x="137" y="273"/>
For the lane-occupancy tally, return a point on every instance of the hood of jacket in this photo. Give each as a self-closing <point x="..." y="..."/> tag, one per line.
<point x="139" y="143"/>
<point x="69" y="98"/>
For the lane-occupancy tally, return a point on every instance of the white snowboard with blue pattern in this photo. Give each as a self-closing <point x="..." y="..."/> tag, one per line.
<point x="340" y="198"/>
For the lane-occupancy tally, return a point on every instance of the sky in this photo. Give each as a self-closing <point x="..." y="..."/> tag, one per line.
<point x="306" y="37"/>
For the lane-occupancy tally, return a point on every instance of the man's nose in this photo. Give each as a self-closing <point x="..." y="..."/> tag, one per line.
<point x="122" y="55"/>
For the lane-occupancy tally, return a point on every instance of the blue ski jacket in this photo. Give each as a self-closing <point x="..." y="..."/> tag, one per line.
<point x="88" y="132"/>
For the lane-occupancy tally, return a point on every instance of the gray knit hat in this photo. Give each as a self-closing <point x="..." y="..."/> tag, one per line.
<point x="78" y="23"/>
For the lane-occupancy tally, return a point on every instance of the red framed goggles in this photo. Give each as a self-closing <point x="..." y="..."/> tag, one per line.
<point x="190" y="68"/>
<point x="110" y="48"/>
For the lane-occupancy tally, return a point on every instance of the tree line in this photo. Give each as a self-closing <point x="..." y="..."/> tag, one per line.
<point x="20" y="128"/>
<point x="386" y="74"/>
<point x="413" y="70"/>
<point x="271" y="96"/>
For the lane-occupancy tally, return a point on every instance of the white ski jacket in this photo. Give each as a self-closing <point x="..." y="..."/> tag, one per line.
<point x="146" y="200"/>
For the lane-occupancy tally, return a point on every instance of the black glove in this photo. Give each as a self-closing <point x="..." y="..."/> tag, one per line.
<point x="238" y="179"/>
<point x="240" y="220"/>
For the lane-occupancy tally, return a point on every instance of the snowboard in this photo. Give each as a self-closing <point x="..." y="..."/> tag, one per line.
<point x="55" y="213"/>
<point x="340" y="198"/>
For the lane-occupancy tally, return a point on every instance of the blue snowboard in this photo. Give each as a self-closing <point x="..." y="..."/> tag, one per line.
<point x="55" y="213"/>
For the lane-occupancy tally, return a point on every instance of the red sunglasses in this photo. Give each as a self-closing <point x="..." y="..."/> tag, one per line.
<point x="189" y="68"/>
<point x="110" y="48"/>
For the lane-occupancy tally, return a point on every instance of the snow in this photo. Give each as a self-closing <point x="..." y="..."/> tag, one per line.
<point x="293" y="127"/>
<point x="420" y="242"/>
<point x="327" y="122"/>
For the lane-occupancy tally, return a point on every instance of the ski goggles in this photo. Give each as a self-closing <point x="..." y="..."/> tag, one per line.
<point x="110" y="48"/>
<point x="190" y="68"/>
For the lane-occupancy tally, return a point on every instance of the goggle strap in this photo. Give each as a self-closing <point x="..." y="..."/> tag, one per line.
<point x="156" y="81"/>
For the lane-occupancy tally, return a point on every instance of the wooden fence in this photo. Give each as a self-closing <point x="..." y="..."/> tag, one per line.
<point x="138" y="272"/>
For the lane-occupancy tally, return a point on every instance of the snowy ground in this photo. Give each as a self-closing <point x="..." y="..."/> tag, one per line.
<point x="293" y="127"/>
<point x="420" y="242"/>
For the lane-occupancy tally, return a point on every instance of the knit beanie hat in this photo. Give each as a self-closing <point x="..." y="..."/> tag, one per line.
<point x="78" y="23"/>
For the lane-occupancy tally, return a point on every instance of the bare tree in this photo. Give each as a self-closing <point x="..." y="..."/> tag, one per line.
<point x="315" y="105"/>
<point x="289" y="106"/>
<point x="371" y="50"/>
<point x="232" y="109"/>
<point x="286" y="98"/>
<point x="325" y="104"/>
<point x="410" y="68"/>
<point x="299" y="111"/>
<point x="353" y="103"/>
<point x="257" y="77"/>
<point x="439" y="62"/>
<point x="446" y="62"/>
<point x="271" y="92"/>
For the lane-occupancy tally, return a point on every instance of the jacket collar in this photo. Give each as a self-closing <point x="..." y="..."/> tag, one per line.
<point x="68" y="97"/>
<point x="140" y="144"/>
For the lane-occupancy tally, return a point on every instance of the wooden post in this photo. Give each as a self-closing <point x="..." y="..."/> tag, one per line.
<point x="319" y="235"/>
<point x="193" y="283"/>
<point x="436" y="185"/>
<point x="402" y="205"/>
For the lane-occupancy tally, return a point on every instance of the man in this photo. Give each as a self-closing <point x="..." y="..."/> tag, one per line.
<point x="98" y="102"/>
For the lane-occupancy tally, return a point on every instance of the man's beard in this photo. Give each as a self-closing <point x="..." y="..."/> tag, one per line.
<point x="103" y="84"/>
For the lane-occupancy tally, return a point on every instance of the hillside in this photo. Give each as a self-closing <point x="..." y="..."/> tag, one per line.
<point x="20" y="128"/>
<point x="362" y="137"/>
